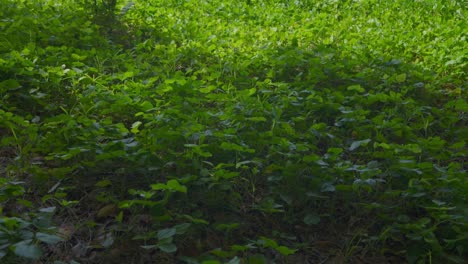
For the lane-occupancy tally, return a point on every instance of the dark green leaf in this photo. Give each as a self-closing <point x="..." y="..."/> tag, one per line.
<point x="27" y="249"/>
<point x="167" y="247"/>
<point x="166" y="233"/>
<point x="311" y="219"/>
<point x="47" y="238"/>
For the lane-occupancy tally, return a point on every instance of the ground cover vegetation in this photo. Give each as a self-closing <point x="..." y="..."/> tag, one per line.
<point x="248" y="131"/>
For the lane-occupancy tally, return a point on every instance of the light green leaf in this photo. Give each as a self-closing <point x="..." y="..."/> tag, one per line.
<point x="235" y="260"/>
<point x="285" y="251"/>
<point x="135" y="127"/>
<point x="267" y="242"/>
<point x="400" y="78"/>
<point x="174" y="185"/>
<point x="159" y="186"/>
<point x="356" y="88"/>
<point x="208" y="89"/>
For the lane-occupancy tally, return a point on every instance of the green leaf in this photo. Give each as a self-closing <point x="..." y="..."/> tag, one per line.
<point x="357" y="144"/>
<point x="103" y="183"/>
<point x="285" y="251"/>
<point x="48" y="239"/>
<point x="311" y="219"/>
<point x="166" y="233"/>
<point x="9" y="85"/>
<point x="196" y="220"/>
<point x="108" y="241"/>
<point x="235" y="260"/>
<point x="252" y="91"/>
<point x="159" y="186"/>
<point x="182" y="228"/>
<point x="149" y="246"/>
<point x="27" y="249"/>
<point x="127" y="75"/>
<point x="211" y="262"/>
<point x="257" y="259"/>
<point x="256" y="119"/>
<point x="267" y="242"/>
<point x="235" y="147"/>
<point x="356" y="88"/>
<point x="119" y="217"/>
<point x="167" y="247"/>
<point x="135" y="127"/>
<point x="208" y="89"/>
<point x="400" y="78"/>
<point x="48" y="209"/>
<point x="174" y="185"/>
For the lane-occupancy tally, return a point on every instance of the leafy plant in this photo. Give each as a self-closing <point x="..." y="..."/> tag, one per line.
<point x="212" y="132"/>
<point x="22" y="236"/>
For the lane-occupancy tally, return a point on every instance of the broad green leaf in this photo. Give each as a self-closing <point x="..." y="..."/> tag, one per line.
<point x="400" y="78"/>
<point x="356" y="88"/>
<point x="256" y="119"/>
<point x="357" y="144"/>
<point x="211" y="262"/>
<point x="48" y="238"/>
<point x="107" y="210"/>
<point x="252" y="91"/>
<point x="128" y="75"/>
<point x="135" y="127"/>
<point x="166" y="233"/>
<point x="48" y="209"/>
<point x="167" y="247"/>
<point x="235" y="260"/>
<point x="208" y="89"/>
<point x="149" y="246"/>
<point x="159" y="186"/>
<point x="119" y="217"/>
<point x="174" y="185"/>
<point x="311" y="219"/>
<point x="235" y="147"/>
<point x="108" y="240"/>
<point x="267" y="242"/>
<point x="8" y="85"/>
<point x="257" y="259"/>
<point x="182" y="228"/>
<point x="103" y="183"/>
<point x="27" y="249"/>
<point x="285" y="251"/>
<point x="196" y="220"/>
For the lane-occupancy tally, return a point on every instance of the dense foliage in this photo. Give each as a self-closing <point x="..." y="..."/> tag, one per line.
<point x="248" y="131"/>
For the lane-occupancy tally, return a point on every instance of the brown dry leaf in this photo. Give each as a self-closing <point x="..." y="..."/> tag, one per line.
<point x="66" y="231"/>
